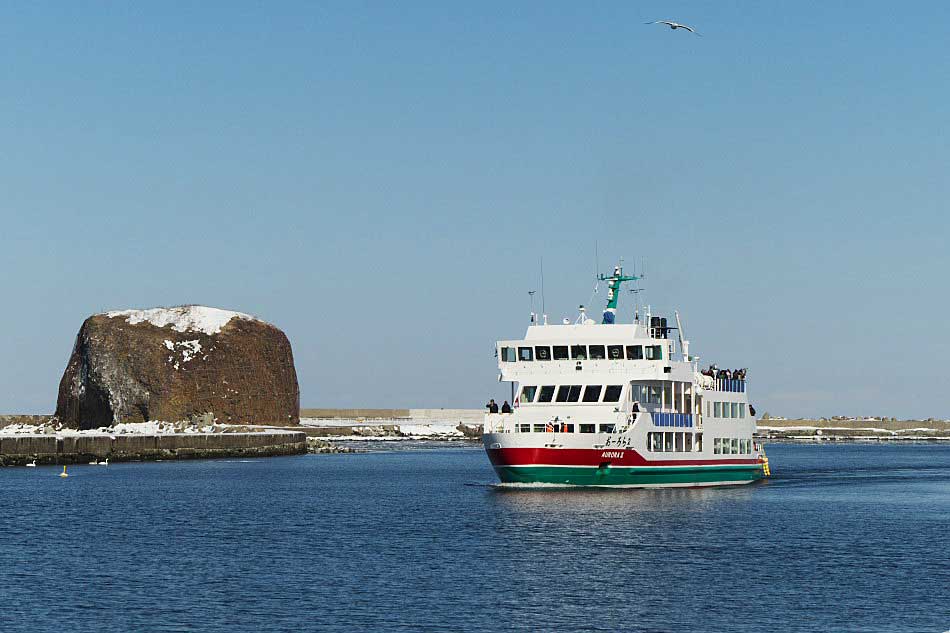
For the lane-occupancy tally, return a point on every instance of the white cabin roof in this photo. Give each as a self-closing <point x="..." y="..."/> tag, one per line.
<point x="613" y="333"/>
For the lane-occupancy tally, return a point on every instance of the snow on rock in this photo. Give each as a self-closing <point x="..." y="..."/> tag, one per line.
<point x="182" y="318"/>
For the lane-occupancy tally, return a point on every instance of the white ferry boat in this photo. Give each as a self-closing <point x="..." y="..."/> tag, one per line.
<point x="611" y="404"/>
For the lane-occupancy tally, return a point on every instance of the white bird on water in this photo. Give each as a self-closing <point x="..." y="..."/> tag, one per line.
<point x="675" y="25"/>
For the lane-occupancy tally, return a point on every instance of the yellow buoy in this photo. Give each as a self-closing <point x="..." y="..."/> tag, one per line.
<point x="64" y="473"/>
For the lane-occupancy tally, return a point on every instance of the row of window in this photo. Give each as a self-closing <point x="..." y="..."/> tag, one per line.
<point x="570" y="393"/>
<point x="674" y="442"/>
<point x="582" y="352"/>
<point x="561" y="427"/>
<point x="725" y="409"/>
<point x="731" y="446"/>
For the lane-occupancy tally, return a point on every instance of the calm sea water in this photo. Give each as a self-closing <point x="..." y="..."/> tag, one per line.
<point x="843" y="538"/>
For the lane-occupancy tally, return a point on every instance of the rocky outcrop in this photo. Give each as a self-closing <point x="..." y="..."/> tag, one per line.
<point x="178" y="363"/>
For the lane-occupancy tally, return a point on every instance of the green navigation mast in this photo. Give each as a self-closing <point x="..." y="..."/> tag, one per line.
<point x="613" y="292"/>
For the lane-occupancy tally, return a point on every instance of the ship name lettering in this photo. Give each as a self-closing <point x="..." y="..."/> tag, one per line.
<point x="612" y="454"/>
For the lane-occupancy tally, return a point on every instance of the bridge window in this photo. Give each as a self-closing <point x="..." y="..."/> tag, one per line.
<point x="527" y="394"/>
<point x="568" y="393"/>
<point x="606" y="428"/>
<point x="597" y="352"/>
<point x="615" y="352"/>
<point x="735" y="410"/>
<point x="592" y="393"/>
<point x="634" y="352"/>
<point x="654" y="352"/>
<point x="586" y="428"/>
<point x="542" y="352"/>
<point x="560" y="352"/>
<point x="717" y="409"/>
<point x="523" y="428"/>
<point x="578" y="352"/>
<point x="612" y="393"/>
<point x="508" y="354"/>
<point x="742" y="409"/>
<point x="547" y="393"/>
<point x="525" y="353"/>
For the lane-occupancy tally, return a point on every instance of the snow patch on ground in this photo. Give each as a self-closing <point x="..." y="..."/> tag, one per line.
<point x="182" y="318"/>
<point x="154" y="427"/>
<point x="404" y="429"/>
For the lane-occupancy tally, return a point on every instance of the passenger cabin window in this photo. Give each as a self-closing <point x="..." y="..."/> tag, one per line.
<point x="508" y="354"/>
<point x="634" y="352"/>
<point x="615" y="352"/>
<point x="645" y="394"/>
<point x="606" y="428"/>
<point x="525" y="353"/>
<point x="527" y="394"/>
<point x="717" y="409"/>
<point x="547" y="393"/>
<point x="592" y="393"/>
<point x="560" y="352"/>
<point x="524" y="428"/>
<point x="586" y="428"/>
<point x="654" y="352"/>
<point x="539" y="428"/>
<point x="612" y="393"/>
<point x="542" y="352"/>
<point x="735" y="410"/>
<point x="597" y="352"/>
<point x="578" y="352"/>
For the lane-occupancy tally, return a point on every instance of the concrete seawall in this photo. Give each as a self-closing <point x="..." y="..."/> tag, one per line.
<point x="17" y="450"/>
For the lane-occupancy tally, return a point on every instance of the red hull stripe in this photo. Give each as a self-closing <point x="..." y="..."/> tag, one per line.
<point x="594" y="457"/>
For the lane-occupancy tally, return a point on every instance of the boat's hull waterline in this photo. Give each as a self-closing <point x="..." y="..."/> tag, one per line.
<point x="547" y="466"/>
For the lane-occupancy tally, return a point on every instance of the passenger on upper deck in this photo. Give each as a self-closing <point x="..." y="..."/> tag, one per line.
<point x="506" y="408"/>
<point x="492" y="406"/>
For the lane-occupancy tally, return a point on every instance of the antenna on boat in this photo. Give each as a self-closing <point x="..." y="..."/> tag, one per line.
<point x="614" y="283"/>
<point x="543" y="311"/>
<point x="534" y="317"/>
<point x="636" y="302"/>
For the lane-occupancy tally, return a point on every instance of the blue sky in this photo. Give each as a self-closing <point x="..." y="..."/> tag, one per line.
<point x="380" y="180"/>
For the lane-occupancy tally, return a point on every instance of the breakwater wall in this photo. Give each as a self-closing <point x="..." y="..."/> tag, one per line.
<point x="470" y="416"/>
<point x="17" y="450"/>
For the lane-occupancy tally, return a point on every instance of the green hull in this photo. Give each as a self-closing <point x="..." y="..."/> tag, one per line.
<point x="631" y="476"/>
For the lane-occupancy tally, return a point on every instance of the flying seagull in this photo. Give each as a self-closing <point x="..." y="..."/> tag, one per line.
<point x="674" y="25"/>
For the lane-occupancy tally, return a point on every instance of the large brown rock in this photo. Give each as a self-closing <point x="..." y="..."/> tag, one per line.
<point x="174" y="364"/>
